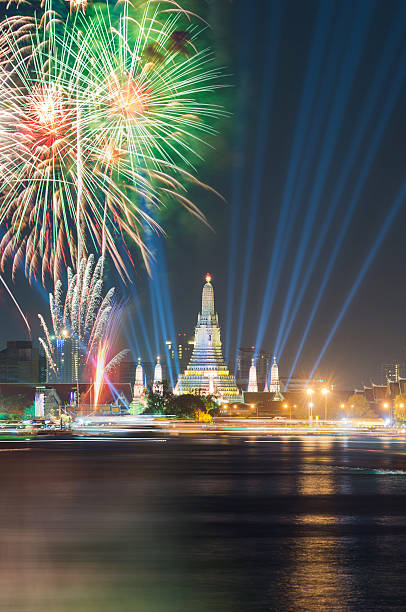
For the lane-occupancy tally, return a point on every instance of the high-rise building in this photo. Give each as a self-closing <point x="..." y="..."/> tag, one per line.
<point x="262" y="363"/>
<point x="391" y="372"/>
<point x="206" y="372"/>
<point x="180" y="351"/>
<point x="20" y="363"/>
<point x="68" y="361"/>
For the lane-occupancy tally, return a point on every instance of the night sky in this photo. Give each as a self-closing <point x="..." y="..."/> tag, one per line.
<point x="311" y="159"/>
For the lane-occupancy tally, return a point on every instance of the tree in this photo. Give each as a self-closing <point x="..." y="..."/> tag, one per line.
<point x="14" y="404"/>
<point x="399" y="407"/>
<point x="157" y="403"/>
<point x="186" y="406"/>
<point x="211" y="406"/>
<point x="29" y="413"/>
<point x="357" y="406"/>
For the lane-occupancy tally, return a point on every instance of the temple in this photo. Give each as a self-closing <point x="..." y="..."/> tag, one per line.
<point x="207" y="373"/>
<point x="158" y="387"/>
<point x="274" y="385"/>
<point x="140" y="392"/>
<point x="252" y="380"/>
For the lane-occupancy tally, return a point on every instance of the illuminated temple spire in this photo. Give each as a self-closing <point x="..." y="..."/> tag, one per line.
<point x="139" y="373"/>
<point x="207" y="373"/>
<point x="274" y="386"/>
<point x="139" y="389"/>
<point x="158" y="386"/>
<point x="252" y="380"/>
<point x="208" y="299"/>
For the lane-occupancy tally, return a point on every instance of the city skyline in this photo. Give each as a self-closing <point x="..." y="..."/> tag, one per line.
<point x="372" y="323"/>
<point x="202" y="281"/>
<point x="176" y="356"/>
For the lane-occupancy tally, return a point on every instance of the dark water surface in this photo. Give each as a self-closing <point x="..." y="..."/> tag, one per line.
<point x="192" y="525"/>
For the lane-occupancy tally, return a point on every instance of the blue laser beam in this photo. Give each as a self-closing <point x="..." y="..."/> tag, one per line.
<point x="392" y="97"/>
<point x="320" y="38"/>
<point x="245" y="57"/>
<point x="388" y="55"/>
<point x="275" y="19"/>
<point x="347" y="75"/>
<point x="397" y="205"/>
<point x="170" y="324"/>
<point x="163" y="304"/>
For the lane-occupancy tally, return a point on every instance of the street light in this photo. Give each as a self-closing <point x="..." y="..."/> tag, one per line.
<point x="253" y="406"/>
<point x="311" y="410"/>
<point x="325" y="392"/>
<point x="386" y="406"/>
<point x="286" y="405"/>
<point x="401" y="405"/>
<point x="310" y="394"/>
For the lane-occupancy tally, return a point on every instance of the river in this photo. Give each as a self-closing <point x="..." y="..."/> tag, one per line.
<point x="197" y="524"/>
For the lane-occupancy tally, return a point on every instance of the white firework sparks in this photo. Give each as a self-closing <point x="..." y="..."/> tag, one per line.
<point x="82" y="312"/>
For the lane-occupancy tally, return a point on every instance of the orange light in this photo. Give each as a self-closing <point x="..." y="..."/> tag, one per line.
<point x="129" y="98"/>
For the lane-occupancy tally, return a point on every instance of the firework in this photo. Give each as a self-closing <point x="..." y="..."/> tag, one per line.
<point x="83" y="313"/>
<point x="99" y="371"/>
<point x="101" y="124"/>
<point x="11" y="294"/>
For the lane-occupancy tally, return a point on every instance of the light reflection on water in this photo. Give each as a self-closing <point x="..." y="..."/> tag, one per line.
<point x="193" y="526"/>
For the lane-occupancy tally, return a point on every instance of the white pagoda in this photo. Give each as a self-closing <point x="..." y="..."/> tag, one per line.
<point x="207" y="373"/>
<point x="252" y="379"/>
<point x="139" y="393"/>
<point x="157" y="386"/>
<point x="274" y="385"/>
